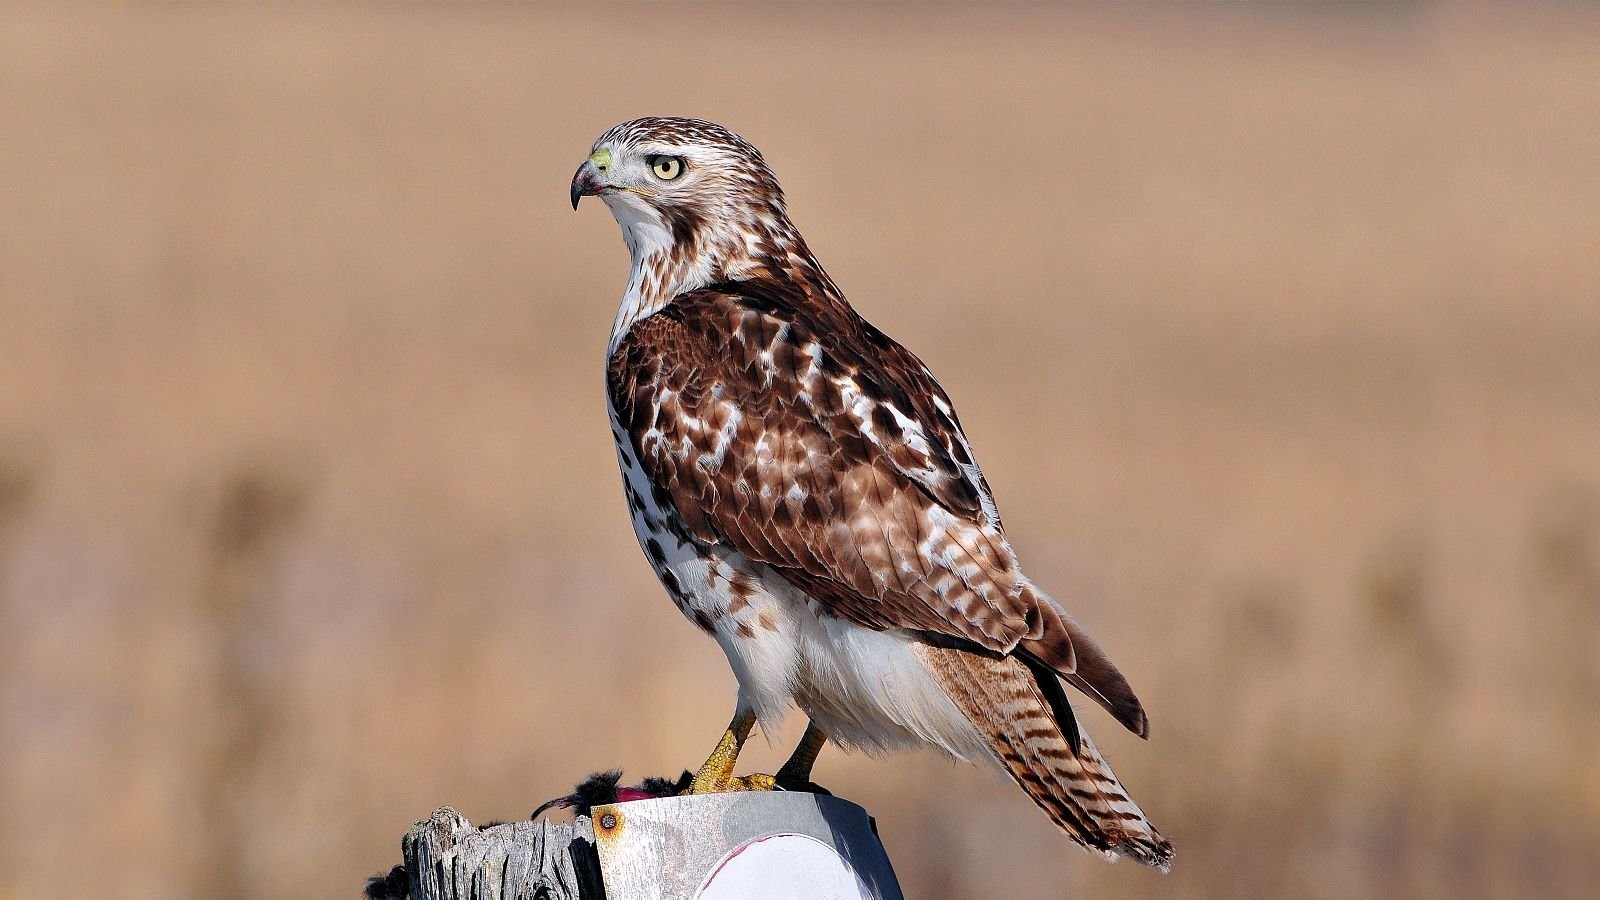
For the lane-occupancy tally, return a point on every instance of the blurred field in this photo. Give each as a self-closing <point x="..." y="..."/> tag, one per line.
<point x="1277" y="330"/>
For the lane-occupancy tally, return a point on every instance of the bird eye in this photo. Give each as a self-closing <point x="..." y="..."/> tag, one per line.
<point x="666" y="168"/>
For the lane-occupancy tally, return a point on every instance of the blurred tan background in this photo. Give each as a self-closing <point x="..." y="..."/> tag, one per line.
<point x="1277" y="331"/>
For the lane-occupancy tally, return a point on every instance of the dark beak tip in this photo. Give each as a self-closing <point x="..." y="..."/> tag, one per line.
<point x="584" y="183"/>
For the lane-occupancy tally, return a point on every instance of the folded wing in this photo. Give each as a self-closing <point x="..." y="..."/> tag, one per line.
<point x="800" y="435"/>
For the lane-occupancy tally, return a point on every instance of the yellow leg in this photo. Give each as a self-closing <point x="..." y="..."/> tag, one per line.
<point x="796" y="773"/>
<point x="716" y="776"/>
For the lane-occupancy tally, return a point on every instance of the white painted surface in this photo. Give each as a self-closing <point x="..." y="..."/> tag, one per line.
<point x="756" y="845"/>
<point x="783" y="867"/>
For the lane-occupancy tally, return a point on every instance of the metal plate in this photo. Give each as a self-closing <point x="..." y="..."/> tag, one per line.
<point x="766" y="844"/>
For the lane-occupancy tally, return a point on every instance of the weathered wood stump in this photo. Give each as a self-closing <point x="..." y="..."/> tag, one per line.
<point x="448" y="858"/>
<point x="774" y="845"/>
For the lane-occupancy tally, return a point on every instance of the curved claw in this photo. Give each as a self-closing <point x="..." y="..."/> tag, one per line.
<point x="756" y="782"/>
<point x="734" y="784"/>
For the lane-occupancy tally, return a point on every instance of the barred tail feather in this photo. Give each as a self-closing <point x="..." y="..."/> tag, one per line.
<point x="1077" y="790"/>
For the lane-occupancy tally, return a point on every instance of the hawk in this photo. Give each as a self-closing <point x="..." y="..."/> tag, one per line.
<point x="803" y="489"/>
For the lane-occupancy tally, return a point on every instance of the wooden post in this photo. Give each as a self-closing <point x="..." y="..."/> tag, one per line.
<point x="766" y="844"/>
<point x="449" y="858"/>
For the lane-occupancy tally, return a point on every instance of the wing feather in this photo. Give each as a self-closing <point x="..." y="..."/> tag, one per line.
<point x="800" y="435"/>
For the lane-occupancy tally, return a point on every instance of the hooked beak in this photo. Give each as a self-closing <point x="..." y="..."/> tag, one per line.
<point x="588" y="181"/>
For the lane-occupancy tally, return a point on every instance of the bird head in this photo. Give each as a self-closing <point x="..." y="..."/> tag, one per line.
<point x="690" y="189"/>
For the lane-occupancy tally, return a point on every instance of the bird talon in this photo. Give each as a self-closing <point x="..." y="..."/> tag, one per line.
<point x="734" y="784"/>
<point x="756" y="782"/>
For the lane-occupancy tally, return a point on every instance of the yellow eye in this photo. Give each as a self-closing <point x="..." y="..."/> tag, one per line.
<point x="666" y="168"/>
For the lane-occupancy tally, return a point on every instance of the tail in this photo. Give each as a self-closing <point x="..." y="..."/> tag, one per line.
<point x="1078" y="791"/>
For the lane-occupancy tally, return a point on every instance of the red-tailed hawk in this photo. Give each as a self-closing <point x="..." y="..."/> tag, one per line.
<point x="803" y="489"/>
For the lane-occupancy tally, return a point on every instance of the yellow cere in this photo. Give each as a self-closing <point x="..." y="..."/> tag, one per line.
<point x="601" y="159"/>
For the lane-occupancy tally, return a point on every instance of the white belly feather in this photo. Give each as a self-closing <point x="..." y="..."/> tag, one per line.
<point x="866" y="689"/>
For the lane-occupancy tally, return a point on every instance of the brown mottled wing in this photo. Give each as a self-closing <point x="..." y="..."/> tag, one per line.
<point x="810" y="442"/>
<point x="789" y="428"/>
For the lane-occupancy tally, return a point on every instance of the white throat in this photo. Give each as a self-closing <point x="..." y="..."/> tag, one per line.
<point x="655" y="277"/>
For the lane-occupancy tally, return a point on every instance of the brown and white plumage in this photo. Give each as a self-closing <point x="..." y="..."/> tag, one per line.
<point x="804" y="490"/>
